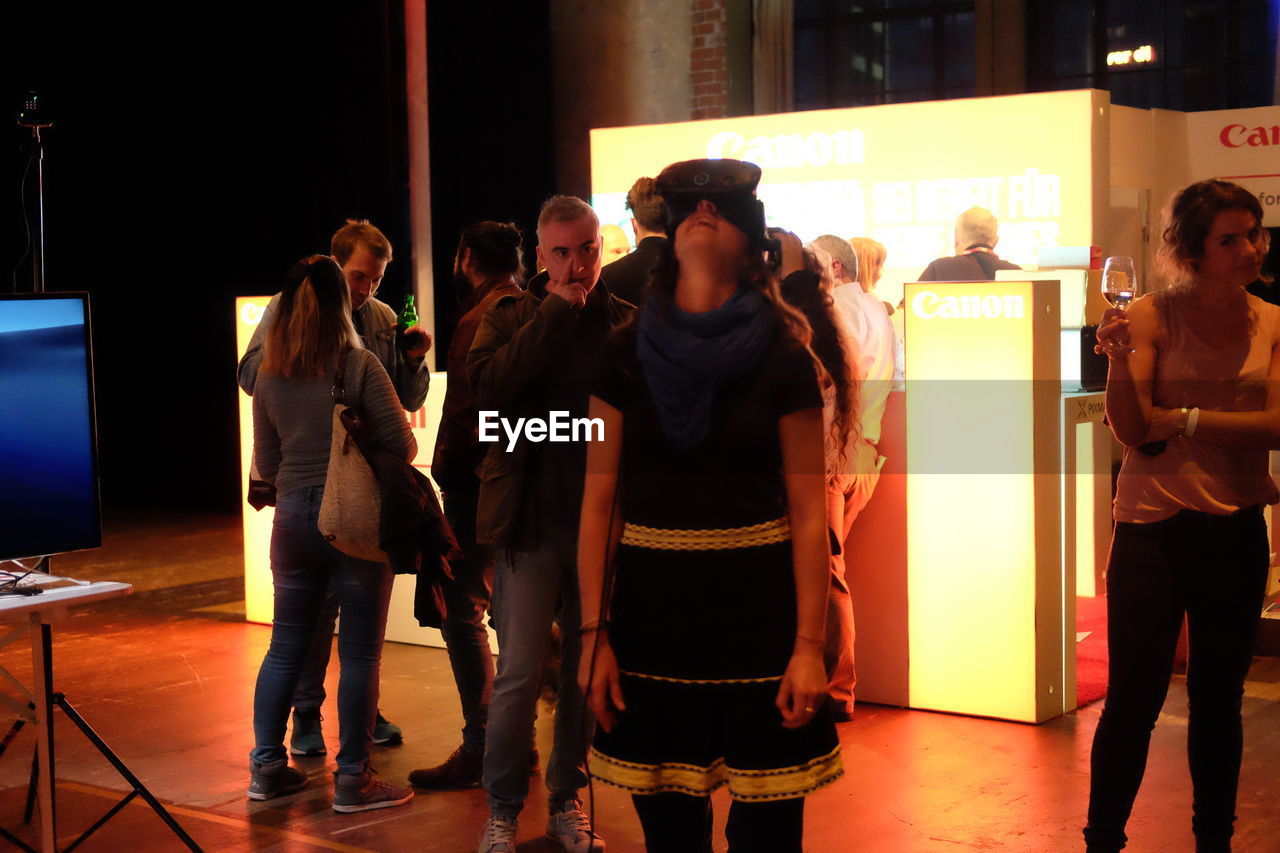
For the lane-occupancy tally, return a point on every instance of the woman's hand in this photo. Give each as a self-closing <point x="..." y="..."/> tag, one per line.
<point x="602" y="687"/>
<point x="1113" y="334"/>
<point x="1166" y="423"/>
<point x="804" y="685"/>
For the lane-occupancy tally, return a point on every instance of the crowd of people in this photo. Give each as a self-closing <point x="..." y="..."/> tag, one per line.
<point x="691" y="560"/>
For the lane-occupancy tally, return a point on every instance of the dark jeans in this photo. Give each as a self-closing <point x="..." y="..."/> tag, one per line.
<point x="1213" y="569"/>
<point x="467" y="600"/>
<point x="680" y="823"/>
<point x="303" y="567"/>
<point x="309" y="694"/>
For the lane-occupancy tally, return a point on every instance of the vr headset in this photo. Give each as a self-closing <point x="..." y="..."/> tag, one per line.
<point x="728" y="184"/>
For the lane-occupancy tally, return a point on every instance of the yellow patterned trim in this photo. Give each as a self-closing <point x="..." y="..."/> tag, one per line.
<point x="665" y="539"/>
<point x="780" y="783"/>
<point x="671" y="680"/>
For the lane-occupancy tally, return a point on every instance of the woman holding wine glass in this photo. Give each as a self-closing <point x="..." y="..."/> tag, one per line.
<point x="1193" y="392"/>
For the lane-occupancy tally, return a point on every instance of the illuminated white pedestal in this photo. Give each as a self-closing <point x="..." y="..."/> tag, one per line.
<point x="984" y="592"/>
<point x="258" y="595"/>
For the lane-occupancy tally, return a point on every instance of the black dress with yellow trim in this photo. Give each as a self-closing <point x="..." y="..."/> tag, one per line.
<point x="703" y="615"/>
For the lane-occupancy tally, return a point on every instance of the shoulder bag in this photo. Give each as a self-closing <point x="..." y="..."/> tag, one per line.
<point x="351" y="510"/>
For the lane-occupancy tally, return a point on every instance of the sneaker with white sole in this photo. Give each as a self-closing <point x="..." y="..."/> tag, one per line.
<point x="274" y="779"/>
<point x="365" y="792"/>
<point x="571" y="829"/>
<point x="499" y="835"/>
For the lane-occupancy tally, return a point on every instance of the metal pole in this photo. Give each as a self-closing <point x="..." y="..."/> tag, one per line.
<point x="37" y="253"/>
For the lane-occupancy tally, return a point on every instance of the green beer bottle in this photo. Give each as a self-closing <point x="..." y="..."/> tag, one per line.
<point x="408" y="318"/>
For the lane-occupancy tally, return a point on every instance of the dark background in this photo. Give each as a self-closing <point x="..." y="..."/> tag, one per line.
<point x="199" y="150"/>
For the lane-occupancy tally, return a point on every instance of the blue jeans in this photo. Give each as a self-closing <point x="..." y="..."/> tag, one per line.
<point x="303" y="566"/>
<point x="1213" y="569"/>
<point x="467" y="599"/>
<point x="529" y="588"/>
<point x="309" y="694"/>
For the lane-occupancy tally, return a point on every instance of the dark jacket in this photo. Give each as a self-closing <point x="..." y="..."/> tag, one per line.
<point x="458" y="451"/>
<point x="628" y="275"/>
<point x="972" y="266"/>
<point x="533" y="351"/>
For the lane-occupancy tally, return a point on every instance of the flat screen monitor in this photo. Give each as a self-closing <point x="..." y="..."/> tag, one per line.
<point x="48" y="441"/>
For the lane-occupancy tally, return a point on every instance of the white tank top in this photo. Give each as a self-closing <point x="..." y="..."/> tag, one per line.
<point x="1191" y="474"/>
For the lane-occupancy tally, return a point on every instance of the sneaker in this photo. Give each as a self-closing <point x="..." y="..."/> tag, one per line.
<point x="460" y="770"/>
<point x="307" y="739"/>
<point x="386" y="733"/>
<point x="571" y="829"/>
<point x="365" y="792"/>
<point x="499" y="835"/>
<point x="274" y="779"/>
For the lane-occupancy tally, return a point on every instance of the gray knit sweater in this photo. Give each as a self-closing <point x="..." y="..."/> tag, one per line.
<point x="293" y="421"/>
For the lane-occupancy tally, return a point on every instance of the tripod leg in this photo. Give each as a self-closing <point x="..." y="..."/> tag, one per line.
<point x="124" y="771"/>
<point x="13" y="732"/>
<point x="16" y="841"/>
<point x="42" y="669"/>
<point x="31" y="790"/>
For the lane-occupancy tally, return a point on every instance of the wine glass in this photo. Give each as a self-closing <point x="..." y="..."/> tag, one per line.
<point x="1119" y="285"/>
<point x="1119" y="282"/>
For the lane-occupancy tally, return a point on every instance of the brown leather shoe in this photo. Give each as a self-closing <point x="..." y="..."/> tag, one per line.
<point x="460" y="770"/>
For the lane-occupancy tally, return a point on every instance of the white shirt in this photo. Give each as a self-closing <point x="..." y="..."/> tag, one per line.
<point x="872" y="344"/>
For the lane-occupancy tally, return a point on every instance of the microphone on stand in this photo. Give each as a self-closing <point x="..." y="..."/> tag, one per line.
<point x="33" y="116"/>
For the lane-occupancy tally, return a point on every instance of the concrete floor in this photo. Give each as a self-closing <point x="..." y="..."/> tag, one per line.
<point x="166" y="677"/>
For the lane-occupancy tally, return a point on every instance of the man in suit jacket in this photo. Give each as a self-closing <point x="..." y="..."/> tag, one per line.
<point x="628" y="275"/>
<point x="975" y="258"/>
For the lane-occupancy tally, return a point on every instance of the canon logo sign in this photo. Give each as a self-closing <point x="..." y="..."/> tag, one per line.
<point x="251" y="314"/>
<point x="926" y="305"/>
<point x="791" y="150"/>
<point x="1239" y="136"/>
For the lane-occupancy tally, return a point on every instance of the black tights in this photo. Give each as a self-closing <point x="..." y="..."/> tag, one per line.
<point x="679" y="823"/>
<point x="1213" y="569"/>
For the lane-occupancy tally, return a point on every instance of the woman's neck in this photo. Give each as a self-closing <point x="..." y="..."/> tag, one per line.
<point x="1217" y="294"/>
<point x="701" y="288"/>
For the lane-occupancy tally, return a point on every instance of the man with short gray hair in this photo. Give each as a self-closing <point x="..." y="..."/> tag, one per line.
<point x="534" y="354"/>
<point x="975" y="258"/>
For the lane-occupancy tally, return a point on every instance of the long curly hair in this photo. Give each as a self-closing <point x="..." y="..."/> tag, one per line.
<point x="811" y="295"/>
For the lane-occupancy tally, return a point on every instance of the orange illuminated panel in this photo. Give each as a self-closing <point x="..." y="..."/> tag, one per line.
<point x="983" y="498"/>
<point x="258" y="594"/>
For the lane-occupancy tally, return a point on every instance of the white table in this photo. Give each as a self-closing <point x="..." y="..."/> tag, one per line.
<point x="33" y="615"/>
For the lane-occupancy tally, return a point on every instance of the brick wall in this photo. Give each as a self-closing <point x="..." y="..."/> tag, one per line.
<point x="708" y="74"/>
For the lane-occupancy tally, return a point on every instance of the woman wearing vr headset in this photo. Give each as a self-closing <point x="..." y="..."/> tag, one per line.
<point x="703" y="544"/>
